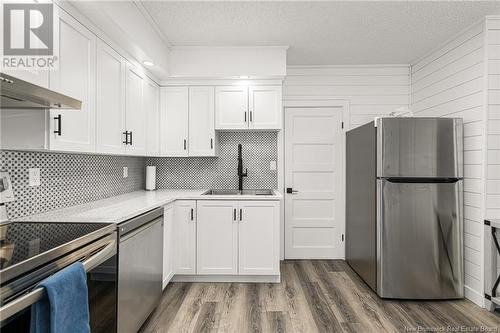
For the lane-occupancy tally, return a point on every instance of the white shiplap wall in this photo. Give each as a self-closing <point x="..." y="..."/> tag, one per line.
<point x="449" y="82"/>
<point x="370" y="90"/>
<point x="493" y="119"/>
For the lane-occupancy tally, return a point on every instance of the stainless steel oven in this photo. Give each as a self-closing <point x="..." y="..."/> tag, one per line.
<point x="99" y="257"/>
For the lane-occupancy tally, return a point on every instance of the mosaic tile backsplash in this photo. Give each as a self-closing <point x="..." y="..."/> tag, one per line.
<point x="258" y="150"/>
<point x="72" y="179"/>
<point x="68" y="179"/>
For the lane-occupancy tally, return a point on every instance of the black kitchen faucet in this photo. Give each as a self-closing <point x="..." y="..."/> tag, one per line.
<point x="241" y="174"/>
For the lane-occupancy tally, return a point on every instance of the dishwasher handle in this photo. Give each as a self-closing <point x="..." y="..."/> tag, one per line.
<point x="137" y="222"/>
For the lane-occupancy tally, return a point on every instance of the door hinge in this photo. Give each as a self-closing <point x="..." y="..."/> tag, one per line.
<point x="342" y="125"/>
<point x="342" y="237"/>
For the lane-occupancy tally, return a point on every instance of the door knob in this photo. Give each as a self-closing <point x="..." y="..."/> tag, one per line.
<point x="291" y="190"/>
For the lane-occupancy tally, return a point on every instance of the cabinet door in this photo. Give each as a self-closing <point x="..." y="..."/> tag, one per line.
<point x="258" y="238"/>
<point x="110" y="112"/>
<point x="75" y="77"/>
<point x="168" y="239"/>
<point x="174" y="122"/>
<point x="201" y="121"/>
<point x="152" y="110"/>
<point x="185" y="226"/>
<point x="265" y="107"/>
<point x="135" y="118"/>
<point x="217" y="237"/>
<point x="231" y="107"/>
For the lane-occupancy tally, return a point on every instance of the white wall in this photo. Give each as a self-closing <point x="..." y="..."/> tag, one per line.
<point x="227" y="62"/>
<point x="449" y="82"/>
<point x="493" y="119"/>
<point x="371" y="91"/>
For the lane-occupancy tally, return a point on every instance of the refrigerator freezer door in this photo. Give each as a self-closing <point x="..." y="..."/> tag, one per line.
<point x="419" y="147"/>
<point x="419" y="240"/>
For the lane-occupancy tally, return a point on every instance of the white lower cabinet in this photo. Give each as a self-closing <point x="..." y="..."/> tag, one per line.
<point x="237" y="237"/>
<point x="168" y="243"/>
<point x="258" y="246"/>
<point x="217" y="237"/>
<point x="185" y="240"/>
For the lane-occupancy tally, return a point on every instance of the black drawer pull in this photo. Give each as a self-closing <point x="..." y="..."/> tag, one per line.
<point x="192" y="214"/>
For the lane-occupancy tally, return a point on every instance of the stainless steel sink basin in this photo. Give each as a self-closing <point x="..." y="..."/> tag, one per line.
<point x="237" y="192"/>
<point x="257" y="192"/>
<point x="222" y="192"/>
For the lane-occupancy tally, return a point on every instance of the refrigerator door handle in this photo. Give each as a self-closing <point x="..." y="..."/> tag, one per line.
<point x="421" y="180"/>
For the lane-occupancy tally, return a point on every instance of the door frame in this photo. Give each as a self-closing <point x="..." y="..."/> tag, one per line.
<point x="310" y="102"/>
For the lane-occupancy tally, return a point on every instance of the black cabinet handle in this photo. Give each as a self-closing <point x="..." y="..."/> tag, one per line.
<point x="126" y="137"/>
<point x="192" y="214"/>
<point x="245" y="116"/>
<point x="130" y="138"/>
<point x="291" y="190"/>
<point x="211" y="143"/>
<point x="251" y="116"/>
<point x="234" y="214"/>
<point x="184" y="144"/>
<point x="241" y="214"/>
<point x="59" y="125"/>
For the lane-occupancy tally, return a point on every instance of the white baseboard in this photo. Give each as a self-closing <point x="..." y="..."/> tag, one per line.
<point x="474" y="296"/>
<point x="228" y="278"/>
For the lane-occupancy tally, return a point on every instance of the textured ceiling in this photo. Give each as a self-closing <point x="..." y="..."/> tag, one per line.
<point x="321" y="33"/>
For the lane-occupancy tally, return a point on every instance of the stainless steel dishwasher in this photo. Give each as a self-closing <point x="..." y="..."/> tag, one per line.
<point x="140" y="253"/>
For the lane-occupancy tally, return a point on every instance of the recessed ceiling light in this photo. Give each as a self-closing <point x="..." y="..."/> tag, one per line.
<point x="148" y="63"/>
<point x="243" y="76"/>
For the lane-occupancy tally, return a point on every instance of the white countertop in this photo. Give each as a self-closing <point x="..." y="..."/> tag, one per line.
<point x="123" y="207"/>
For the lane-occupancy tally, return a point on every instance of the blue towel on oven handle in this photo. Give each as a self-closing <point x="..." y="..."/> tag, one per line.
<point x="66" y="307"/>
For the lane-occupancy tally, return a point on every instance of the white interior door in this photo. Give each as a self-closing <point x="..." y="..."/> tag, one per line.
<point x="314" y="218"/>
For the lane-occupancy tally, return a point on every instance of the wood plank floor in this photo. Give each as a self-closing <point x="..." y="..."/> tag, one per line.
<point x="314" y="296"/>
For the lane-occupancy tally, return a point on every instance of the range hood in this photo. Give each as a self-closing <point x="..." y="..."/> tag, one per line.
<point x="19" y="94"/>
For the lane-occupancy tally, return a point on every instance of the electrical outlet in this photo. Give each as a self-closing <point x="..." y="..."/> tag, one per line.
<point x="34" y="176"/>
<point x="272" y="166"/>
<point x="125" y="172"/>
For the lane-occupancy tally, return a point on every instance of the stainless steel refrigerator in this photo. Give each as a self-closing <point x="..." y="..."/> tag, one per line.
<point x="404" y="194"/>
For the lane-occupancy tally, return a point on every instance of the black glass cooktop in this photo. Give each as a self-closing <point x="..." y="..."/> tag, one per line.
<point x="21" y="241"/>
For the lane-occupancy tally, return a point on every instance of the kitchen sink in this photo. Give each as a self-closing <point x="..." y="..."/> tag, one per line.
<point x="237" y="192"/>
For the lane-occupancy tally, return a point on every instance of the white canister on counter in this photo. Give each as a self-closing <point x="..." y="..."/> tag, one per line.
<point x="150" y="178"/>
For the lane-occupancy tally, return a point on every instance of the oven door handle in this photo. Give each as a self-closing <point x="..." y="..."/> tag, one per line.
<point x="20" y="303"/>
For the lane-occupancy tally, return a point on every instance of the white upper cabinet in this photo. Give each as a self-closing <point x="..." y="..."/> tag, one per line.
<point x="74" y="130"/>
<point x="134" y="113"/>
<point x="110" y="113"/>
<point x="265" y="107"/>
<point x="217" y="237"/>
<point x="242" y="107"/>
<point x="231" y="107"/>
<point x="201" y="121"/>
<point x="174" y="121"/>
<point x="152" y="111"/>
